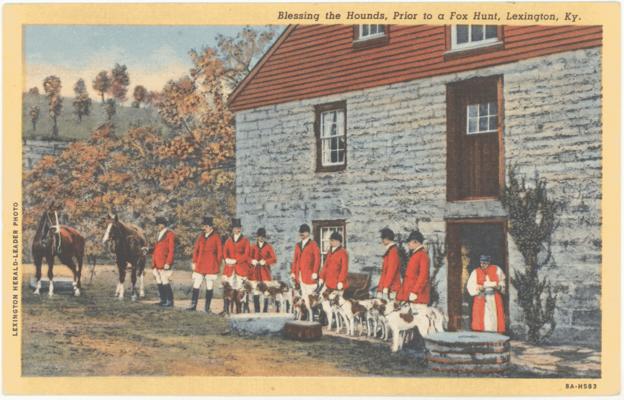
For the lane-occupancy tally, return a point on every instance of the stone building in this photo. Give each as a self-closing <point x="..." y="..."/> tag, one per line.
<point x="354" y="128"/>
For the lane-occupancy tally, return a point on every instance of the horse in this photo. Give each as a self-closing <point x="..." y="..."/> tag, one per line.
<point x="53" y="239"/>
<point x="127" y="242"/>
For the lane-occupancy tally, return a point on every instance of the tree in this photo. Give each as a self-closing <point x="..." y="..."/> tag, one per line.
<point x="239" y="53"/>
<point x="82" y="101"/>
<point x="34" y="116"/>
<point x="140" y="96"/>
<point x="33" y="91"/>
<point x="111" y="108"/>
<point x="52" y="88"/>
<point x="533" y="218"/>
<point x="120" y="80"/>
<point x="102" y="84"/>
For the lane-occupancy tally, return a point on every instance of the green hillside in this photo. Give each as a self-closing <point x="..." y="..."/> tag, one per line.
<point x="70" y="128"/>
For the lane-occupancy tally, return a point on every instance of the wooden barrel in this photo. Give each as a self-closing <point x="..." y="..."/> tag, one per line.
<point x="302" y="330"/>
<point x="468" y="352"/>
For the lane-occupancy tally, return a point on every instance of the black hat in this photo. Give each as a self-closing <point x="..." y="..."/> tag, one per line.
<point x="161" y="220"/>
<point x="485" y="258"/>
<point x="387" y="233"/>
<point x="417" y="236"/>
<point x="261" y="232"/>
<point x="236" y="223"/>
<point x="304" y="228"/>
<point x="207" y="221"/>
<point x="336" y="236"/>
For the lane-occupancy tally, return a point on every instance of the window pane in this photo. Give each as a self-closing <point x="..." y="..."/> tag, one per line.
<point x="493" y="123"/>
<point x="472" y="125"/>
<point x="492" y="107"/>
<point x="483" y="124"/>
<point x="340" y="123"/>
<point x="483" y="109"/>
<point x="365" y="30"/>
<point x="462" y="34"/>
<point x="472" y="110"/>
<point x="490" y="31"/>
<point x="374" y="29"/>
<point x="341" y="156"/>
<point x="381" y="29"/>
<point x="326" y="151"/>
<point x="341" y="143"/>
<point x="476" y="33"/>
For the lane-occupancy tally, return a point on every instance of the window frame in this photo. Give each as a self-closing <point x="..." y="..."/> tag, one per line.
<point x="360" y="43"/>
<point x="453" y="51"/>
<point x="319" y="110"/>
<point x="318" y="225"/>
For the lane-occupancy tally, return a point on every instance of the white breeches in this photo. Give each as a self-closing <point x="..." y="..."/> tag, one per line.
<point x="307" y="290"/>
<point x="490" y="317"/>
<point x="199" y="278"/>
<point x="163" y="276"/>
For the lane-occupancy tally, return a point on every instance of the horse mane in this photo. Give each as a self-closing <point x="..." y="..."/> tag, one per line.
<point x="42" y="221"/>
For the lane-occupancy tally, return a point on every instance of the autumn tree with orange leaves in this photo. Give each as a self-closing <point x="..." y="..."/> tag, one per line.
<point x="142" y="173"/>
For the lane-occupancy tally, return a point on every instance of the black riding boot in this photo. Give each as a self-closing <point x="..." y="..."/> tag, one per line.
<point x="226" y="307"/>
<point x="266" y="305"/>
<point x="161" y="294"/>
<point x="256" y="300"/>
<point x="208" y="300"/>
<point x="168" y="296"/>
<point x="194" y="298"/>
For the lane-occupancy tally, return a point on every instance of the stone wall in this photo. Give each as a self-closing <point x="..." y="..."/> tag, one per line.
<point x="33" y="150"/>
<point x="396" y="172"/>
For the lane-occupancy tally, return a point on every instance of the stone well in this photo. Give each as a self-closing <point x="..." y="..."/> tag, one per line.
<point x="468" y="352"/>
<point x="260" y="323"/>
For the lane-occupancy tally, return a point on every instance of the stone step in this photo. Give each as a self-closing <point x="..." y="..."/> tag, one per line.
<point x="303" y="330"/>
<point x="474" y="358"/>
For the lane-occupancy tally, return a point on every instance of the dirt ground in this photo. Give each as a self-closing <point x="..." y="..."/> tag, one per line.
<point x="97" y="335"/>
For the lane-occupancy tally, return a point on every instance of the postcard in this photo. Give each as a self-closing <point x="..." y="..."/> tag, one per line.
<point x="311" y="199"/>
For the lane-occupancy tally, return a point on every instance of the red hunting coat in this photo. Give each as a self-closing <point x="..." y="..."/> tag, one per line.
<point x="390" y="271"/>
<point x="336" y="268"/>
<point x="164" y="250"/>
<point x="240" y="251"/>
<point x="416" y="278"/>
<point x="307" y="260"/>
<point x="208" y="254"/>
<point x="266" y="253"/>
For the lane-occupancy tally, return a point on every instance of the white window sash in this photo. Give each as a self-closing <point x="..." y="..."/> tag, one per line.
<point x="326" y="140"/>
<point x="470" y="44"/>
<point x="478" y="130"/>
<point x="362" y="37"/>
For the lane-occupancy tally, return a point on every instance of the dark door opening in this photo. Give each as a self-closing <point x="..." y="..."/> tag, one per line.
<point x="467" y="240"/>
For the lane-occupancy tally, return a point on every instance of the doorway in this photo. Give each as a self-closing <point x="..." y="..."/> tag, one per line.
<point x="467" y="240"/>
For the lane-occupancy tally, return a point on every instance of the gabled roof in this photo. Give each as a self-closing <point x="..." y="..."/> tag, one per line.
<point x="312" y="61"/>
<point x="241" y="86"/>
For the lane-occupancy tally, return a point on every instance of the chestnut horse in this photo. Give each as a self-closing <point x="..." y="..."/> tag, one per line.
<point x="128" y="242"/>
<point x="53" y="239"/>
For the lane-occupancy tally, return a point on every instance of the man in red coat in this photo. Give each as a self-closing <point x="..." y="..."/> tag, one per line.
<point x="336" y="267"/>
<point x="262" y="257"/>
<point x="486" y="284"/>
<point x="390" y="279"/>
<point x="237" y="253"/>
<point x="306" y="264"/>
<point x="416" y="285"/>
<point x="162" y="261"/>
<point x="207" y="257"/>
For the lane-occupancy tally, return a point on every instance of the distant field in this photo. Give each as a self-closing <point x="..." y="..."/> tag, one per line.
<point x="70" y="128"/>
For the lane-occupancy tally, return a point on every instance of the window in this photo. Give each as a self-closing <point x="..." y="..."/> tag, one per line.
<point x="481" y="118"/>
<point x="468" y="36"/>
<point x="474" y="139"/>
<point x="322" y="231"/>
<point x="367" y="36"/>
<point x="371" y="31"/>
<point x="331" y="136"/>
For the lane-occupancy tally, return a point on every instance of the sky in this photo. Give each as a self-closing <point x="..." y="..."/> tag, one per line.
<point x="153" y="54"/>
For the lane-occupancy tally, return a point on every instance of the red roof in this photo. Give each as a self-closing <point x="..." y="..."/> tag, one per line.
<point x="310" y="61"/>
